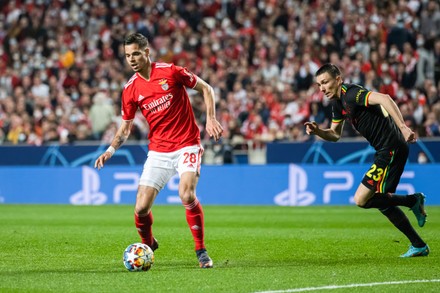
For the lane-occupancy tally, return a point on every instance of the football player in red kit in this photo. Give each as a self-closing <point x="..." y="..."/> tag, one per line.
<point x="159" y="91"/>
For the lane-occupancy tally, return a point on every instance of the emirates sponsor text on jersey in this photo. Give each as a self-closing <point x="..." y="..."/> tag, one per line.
<point x="159" y="104"/>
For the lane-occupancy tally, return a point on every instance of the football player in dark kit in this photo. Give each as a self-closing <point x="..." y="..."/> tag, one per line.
<point x="376" y="117"/>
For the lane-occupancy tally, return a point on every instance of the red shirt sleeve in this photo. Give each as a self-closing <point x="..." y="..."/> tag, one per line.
<point x="129" y="107"/>
<point x="185" y="77"/>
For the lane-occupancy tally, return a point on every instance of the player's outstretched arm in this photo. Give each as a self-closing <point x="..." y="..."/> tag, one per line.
<point x="120" y="137"/>
<point x="390" y="106"/>
<point x="213" y="127"/>
<point x="331" y="134"/>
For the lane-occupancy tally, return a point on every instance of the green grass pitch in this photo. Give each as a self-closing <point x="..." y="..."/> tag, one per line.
<point x="61" y="248"/>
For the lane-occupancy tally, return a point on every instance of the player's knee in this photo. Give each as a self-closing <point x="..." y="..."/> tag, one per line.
<point x="141" y="209"/>
<point x="144" y="200"/>
<point x="187" y="194"/>
<point x="360" y="202"/>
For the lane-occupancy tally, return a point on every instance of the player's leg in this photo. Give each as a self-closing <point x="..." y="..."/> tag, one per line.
<point x="375" y="192"/>
<point x="193" y="208"/>
<point x="367" y="198"/>
<point x="157" y="171"/>
<point x="143" y="216"/>
<point x="416" y="201"/>
<point x="189" y="162"/>
<point x="194" y="216"/>
<point x="396" y="216"/>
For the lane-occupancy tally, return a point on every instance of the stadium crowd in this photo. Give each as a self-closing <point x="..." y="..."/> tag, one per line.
<point x="62" y="64"/>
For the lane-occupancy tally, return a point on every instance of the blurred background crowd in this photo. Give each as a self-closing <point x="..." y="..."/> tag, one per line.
<point x="62" y="64"/>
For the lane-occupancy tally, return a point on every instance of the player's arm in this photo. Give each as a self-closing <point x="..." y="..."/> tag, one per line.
<point x="213" y="127"/>
<point x="390" y="106"/>
<point x="120" y="137"/>
<point x="331" y="134"/>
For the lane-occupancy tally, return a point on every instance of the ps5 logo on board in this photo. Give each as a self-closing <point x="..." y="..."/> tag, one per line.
<point x="90" y="194"/>
<point x="296" y="194"/>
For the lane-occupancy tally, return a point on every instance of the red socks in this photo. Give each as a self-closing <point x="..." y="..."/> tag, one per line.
<point x="194" y="217"/>
<point x="143" y="225"/>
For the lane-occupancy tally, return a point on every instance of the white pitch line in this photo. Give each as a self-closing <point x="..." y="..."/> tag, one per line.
<point x="332" y="287"/>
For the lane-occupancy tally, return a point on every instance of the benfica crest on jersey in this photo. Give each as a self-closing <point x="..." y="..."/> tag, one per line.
<point x="163" y="84"/>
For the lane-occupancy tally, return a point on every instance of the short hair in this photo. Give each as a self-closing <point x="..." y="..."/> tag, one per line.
<point x="138" y="39"/>
<point x="329" y="68"/>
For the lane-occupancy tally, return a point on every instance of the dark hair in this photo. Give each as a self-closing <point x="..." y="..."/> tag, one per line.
<point x="138" y="39"/>
<point x="329" y="68"/>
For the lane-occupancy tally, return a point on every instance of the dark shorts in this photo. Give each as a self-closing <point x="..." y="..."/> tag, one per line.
<point x="384" y="175"/>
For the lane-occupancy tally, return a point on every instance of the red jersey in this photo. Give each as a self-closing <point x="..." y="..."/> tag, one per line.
<point x="165" y="104"/>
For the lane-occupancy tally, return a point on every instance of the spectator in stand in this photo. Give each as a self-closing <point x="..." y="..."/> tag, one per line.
<point x="101" y="114"/>
<point x="253" y="127"/>
<point x="432" y="125"/>
<point x="389" y="86"/>
<point x="406" y="73"/>
<point x="437" y="61"/>
<point x="426" y="62"/>
<point x="318" y="115"/>
<point x="432" y="94"/>
<point x="430" y="20"/>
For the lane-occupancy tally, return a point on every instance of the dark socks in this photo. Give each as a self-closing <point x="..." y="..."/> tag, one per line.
<point x="386" y="200"/>
<point x="401" y="222"/>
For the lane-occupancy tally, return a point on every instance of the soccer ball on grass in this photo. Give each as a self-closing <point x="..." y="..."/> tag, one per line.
<point x="138" y="257"/>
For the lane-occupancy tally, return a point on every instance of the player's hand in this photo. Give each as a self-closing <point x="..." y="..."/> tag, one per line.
<point x="408" y="134"/>
<point x="99" y="163"/>
<point x="311" y="127"/>
<point x="214" y="128"/>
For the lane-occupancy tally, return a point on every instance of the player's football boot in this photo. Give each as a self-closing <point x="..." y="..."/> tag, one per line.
<point x="155" y="244"/>
<point x="419" y="209"/>
<point x="414" y="251"/>
<point x="204" y="260"/>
